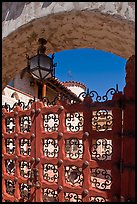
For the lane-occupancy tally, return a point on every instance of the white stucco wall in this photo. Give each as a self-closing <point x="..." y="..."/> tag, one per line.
<point x="77" y="90"/>
<point x="8" y="91"/>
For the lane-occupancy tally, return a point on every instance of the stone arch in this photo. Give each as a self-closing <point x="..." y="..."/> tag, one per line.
<point x="84" y="25"/>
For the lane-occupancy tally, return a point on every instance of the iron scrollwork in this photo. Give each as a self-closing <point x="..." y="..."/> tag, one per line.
<point x="25" y="170"/>
<point x="10" y="187"/>
<point x="98" y="199"/>
<point x="101" y="178"/>
<point x="50" y="173"/>
<point x="50" y="148"/>
<point x="22" y="104"/>
<point x="25" y="191"/>
<point x="96" y="97"/>
<point x="10" y="166"/>
<point x="51" y="122"/>
<point x="74" y="148"/>
<point x="102" y="150"/>
<point x="73" y="197"/>
<point x="10" y="125"/>
<point x="25" y="124"/>
<point x="49" y="195"/>
<point x="102" y="120"/>
<point x="25" y="147"/>
<point x="74" y="121"/>
<point x="10" y="146"/>
<point x="73" y="175"/>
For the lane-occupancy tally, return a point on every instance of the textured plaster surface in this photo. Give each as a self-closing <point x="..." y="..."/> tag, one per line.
<point x="107" y="26"/>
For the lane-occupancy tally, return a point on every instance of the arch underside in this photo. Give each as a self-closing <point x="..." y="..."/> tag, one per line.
<point x="64" y="31"/>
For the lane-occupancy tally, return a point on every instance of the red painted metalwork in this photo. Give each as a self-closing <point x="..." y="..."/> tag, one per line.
<point x="128" y="154"/>
<point x="73" y="175"/>
<point x="71" y="152"/>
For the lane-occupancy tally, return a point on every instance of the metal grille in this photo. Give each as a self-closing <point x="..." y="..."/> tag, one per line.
<point x="62" y="153"/>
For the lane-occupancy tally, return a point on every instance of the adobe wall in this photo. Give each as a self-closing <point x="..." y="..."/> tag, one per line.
<point x="108" y="26"/>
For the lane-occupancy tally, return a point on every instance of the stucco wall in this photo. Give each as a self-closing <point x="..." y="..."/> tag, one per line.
<point x="105" y="26"/>
<point x="6" y="98"/>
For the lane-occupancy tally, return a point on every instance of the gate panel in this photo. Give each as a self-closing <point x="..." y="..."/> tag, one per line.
<point x="18" y="153"/>
<point x="72" y="168"/>
<point x="63" y="153"/>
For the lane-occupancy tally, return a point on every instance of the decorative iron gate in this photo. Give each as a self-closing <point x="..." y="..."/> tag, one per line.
<point x="63" y="152"/>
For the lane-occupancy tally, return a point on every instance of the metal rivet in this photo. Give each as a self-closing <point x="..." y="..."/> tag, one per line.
<point x="37" y="185"/>
<point x="85" y="164"/>
<point x="60" y="134"/>
<point x="85" y="192"/>
<point x="38" y="110"/>
<point x="30" y="185"/>
<point x="60" y="188"/>
<point x="16" y="113"/>
<point x="15" y="135"/>
<point x="86" y="134"/>
<point x="33" y="135"/>
<point x="61" y="108"/>
<point x="60" y="161"/>
<point x="32" y="111"/>
<point x="15" y="179"/>
<point x="37" y="160"/>
<point x="15" y="158"/>
<point x="32" y="159"/>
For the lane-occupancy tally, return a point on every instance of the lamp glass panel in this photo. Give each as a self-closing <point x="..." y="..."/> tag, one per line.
<point x="45" y="73"/>
<point x="36" y="74"/>
<point x="45" y="61"/>
<point x="33" y="62"/>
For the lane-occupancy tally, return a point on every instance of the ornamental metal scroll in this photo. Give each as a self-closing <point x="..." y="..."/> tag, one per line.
<point x="96" y="97"/>
<point x="22" y="104"/>
<point x="50" y="148"/>
<point x="74" y="121"/>
<point x="59" y="97"/>
<point x="50" y="195"/>
<point x="10" y="187"/>
<point x="50" y="122"/>
<point x="50" y="173"/>
<point x="98" y="199"/>
<point x="25" y="169"/>
<point x="73" y="197"/>
<point x="10" y="145"/>
<point x="101" y="178"/>
<point x="24" y="191"/>
<point x="10" y="125"/>
<point x="10" y="166"/>
<point x="74" y="175"/>
<point x="25" y="124"/>
<point x="74" y="148"/>
<point x="102" y="149"/>
<point x="102" y="120"/>
<point x="25" y="146"/>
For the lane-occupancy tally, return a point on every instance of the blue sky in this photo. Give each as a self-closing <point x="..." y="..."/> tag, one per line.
<point x="97" y="69"/>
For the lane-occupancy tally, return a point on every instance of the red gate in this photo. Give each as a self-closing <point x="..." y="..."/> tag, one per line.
<point x="66" y="152"/>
